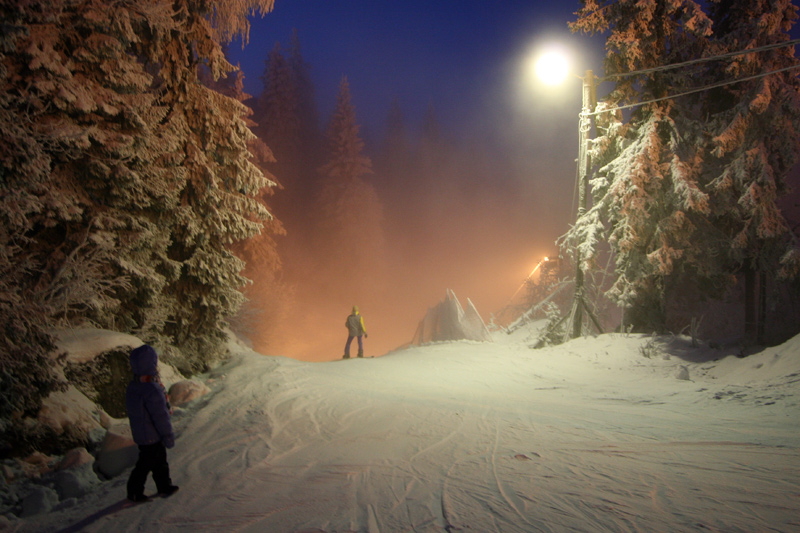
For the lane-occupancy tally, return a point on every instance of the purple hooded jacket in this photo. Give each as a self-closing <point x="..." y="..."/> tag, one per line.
<point x="146" y="401"/>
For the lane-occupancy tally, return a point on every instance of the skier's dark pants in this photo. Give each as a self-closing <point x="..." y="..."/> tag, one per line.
<point x="152" y="458"/>
<point x="360" y="346"/>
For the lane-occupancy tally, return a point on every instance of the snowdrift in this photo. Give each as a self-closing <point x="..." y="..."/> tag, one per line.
<point x="448" y="321"/>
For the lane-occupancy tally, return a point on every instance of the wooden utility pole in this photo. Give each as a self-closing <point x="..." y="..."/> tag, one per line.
<point x="584" y="168"/>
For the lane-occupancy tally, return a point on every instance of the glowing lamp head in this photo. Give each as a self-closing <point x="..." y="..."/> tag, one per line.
<point x="552" y="67"/>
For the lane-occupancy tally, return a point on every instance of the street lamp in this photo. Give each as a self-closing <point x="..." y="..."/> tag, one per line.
<point x="544" y="260"/>
<point x="552" y="66"/>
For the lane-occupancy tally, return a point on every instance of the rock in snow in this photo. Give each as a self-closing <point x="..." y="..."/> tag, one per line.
<point x="74" y="474"/>
<point x="448" y="321"/>
<point x="75" y="482"/>
<point x="117" y="452"/>
<point x="39" y="500"/>
<point x="187" y="390"/>
<point x="74" y="458"/>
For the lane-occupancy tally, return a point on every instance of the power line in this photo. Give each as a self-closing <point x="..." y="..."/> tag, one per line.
<point x="699" y="60"/>
<point x="693" y="91"/>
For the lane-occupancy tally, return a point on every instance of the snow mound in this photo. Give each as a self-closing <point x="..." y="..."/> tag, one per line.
<point x="448" y="321"/>
<point x="776" y="363"/>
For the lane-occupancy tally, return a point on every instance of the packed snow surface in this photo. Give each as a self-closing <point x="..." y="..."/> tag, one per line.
<point x="614" y="433"/>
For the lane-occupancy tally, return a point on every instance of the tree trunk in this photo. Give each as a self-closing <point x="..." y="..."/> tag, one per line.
<point x="762" y="308"/>
<point x="750" y="309"/>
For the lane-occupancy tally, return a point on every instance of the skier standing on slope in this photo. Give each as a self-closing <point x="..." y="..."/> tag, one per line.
<point x="355" y="328"/>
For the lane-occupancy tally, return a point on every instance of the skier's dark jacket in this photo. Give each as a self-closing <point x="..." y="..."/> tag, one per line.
<point x="146" y="400"/>
<point x="355" y="325"/>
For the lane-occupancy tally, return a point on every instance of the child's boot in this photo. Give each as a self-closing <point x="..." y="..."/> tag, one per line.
<point x="168" y="491"/>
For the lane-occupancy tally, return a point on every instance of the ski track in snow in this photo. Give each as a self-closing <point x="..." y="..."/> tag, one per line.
<point x="475" y="437"/>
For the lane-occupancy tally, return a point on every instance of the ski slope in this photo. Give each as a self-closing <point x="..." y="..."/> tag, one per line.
<point x="474" y="436"/>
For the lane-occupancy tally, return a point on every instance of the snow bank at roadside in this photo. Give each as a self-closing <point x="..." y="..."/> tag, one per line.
<point x="776" y="364"/>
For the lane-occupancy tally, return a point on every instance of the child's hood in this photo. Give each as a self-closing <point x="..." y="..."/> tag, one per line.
<point x="144" y="361"/>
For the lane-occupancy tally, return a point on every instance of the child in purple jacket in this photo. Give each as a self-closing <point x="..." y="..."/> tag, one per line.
<point x="149" y="414"/>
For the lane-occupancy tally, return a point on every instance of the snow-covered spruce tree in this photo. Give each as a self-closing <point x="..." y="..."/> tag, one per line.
<point x="230" y="84"/>
<point x="88" y="97"/>
<point x="277" y="118"/>
<point x="310" y="155"/>
<point x="754" y="131"/>
<point x="287" y="121"/>
<point x="400" y="171"/>
<point x="396" y="149"/>
<point x="26" y="372"/>
<point x="26" y="375"/>
<point x="80" y="186"/>
<point x="89" y="181"/>
<point x="431" y="144"/>
<point x="350" y="235"/>
<point x="647" y="196"/>
<point x="307" y="113"/>
<point x="220" y="184"/>
<point x="267" y="293"/>
<point x="435" y="155"/>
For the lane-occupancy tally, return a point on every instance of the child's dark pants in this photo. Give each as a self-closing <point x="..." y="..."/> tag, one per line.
<point x="152" y="458"/>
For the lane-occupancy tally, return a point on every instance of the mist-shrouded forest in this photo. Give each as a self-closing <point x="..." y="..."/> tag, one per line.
<point x="145" y="192"/>
<point x="429" y="209"/>
<point x="389" y="229"/>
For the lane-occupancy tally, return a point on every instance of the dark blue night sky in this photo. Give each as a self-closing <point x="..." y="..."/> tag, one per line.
<point x="461" y="56"/>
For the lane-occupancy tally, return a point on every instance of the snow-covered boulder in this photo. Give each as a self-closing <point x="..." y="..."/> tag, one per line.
<point x="33" y="466"/>
<point x="98" y="364"/>
<point x="75" y="458"/>
<point x="75" y="474"/>
<point x="69" y="409"/>
<point x="187" y="390"/>
<point x="117" y="452"/>
<point x="84" y="344"/>
<point x="448" y="321"/>
<point x="39" y="500"/>
<point x="75" y="482"/>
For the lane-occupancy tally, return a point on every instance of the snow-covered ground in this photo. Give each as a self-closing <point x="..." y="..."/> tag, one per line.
<point x="588" y="436"/>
